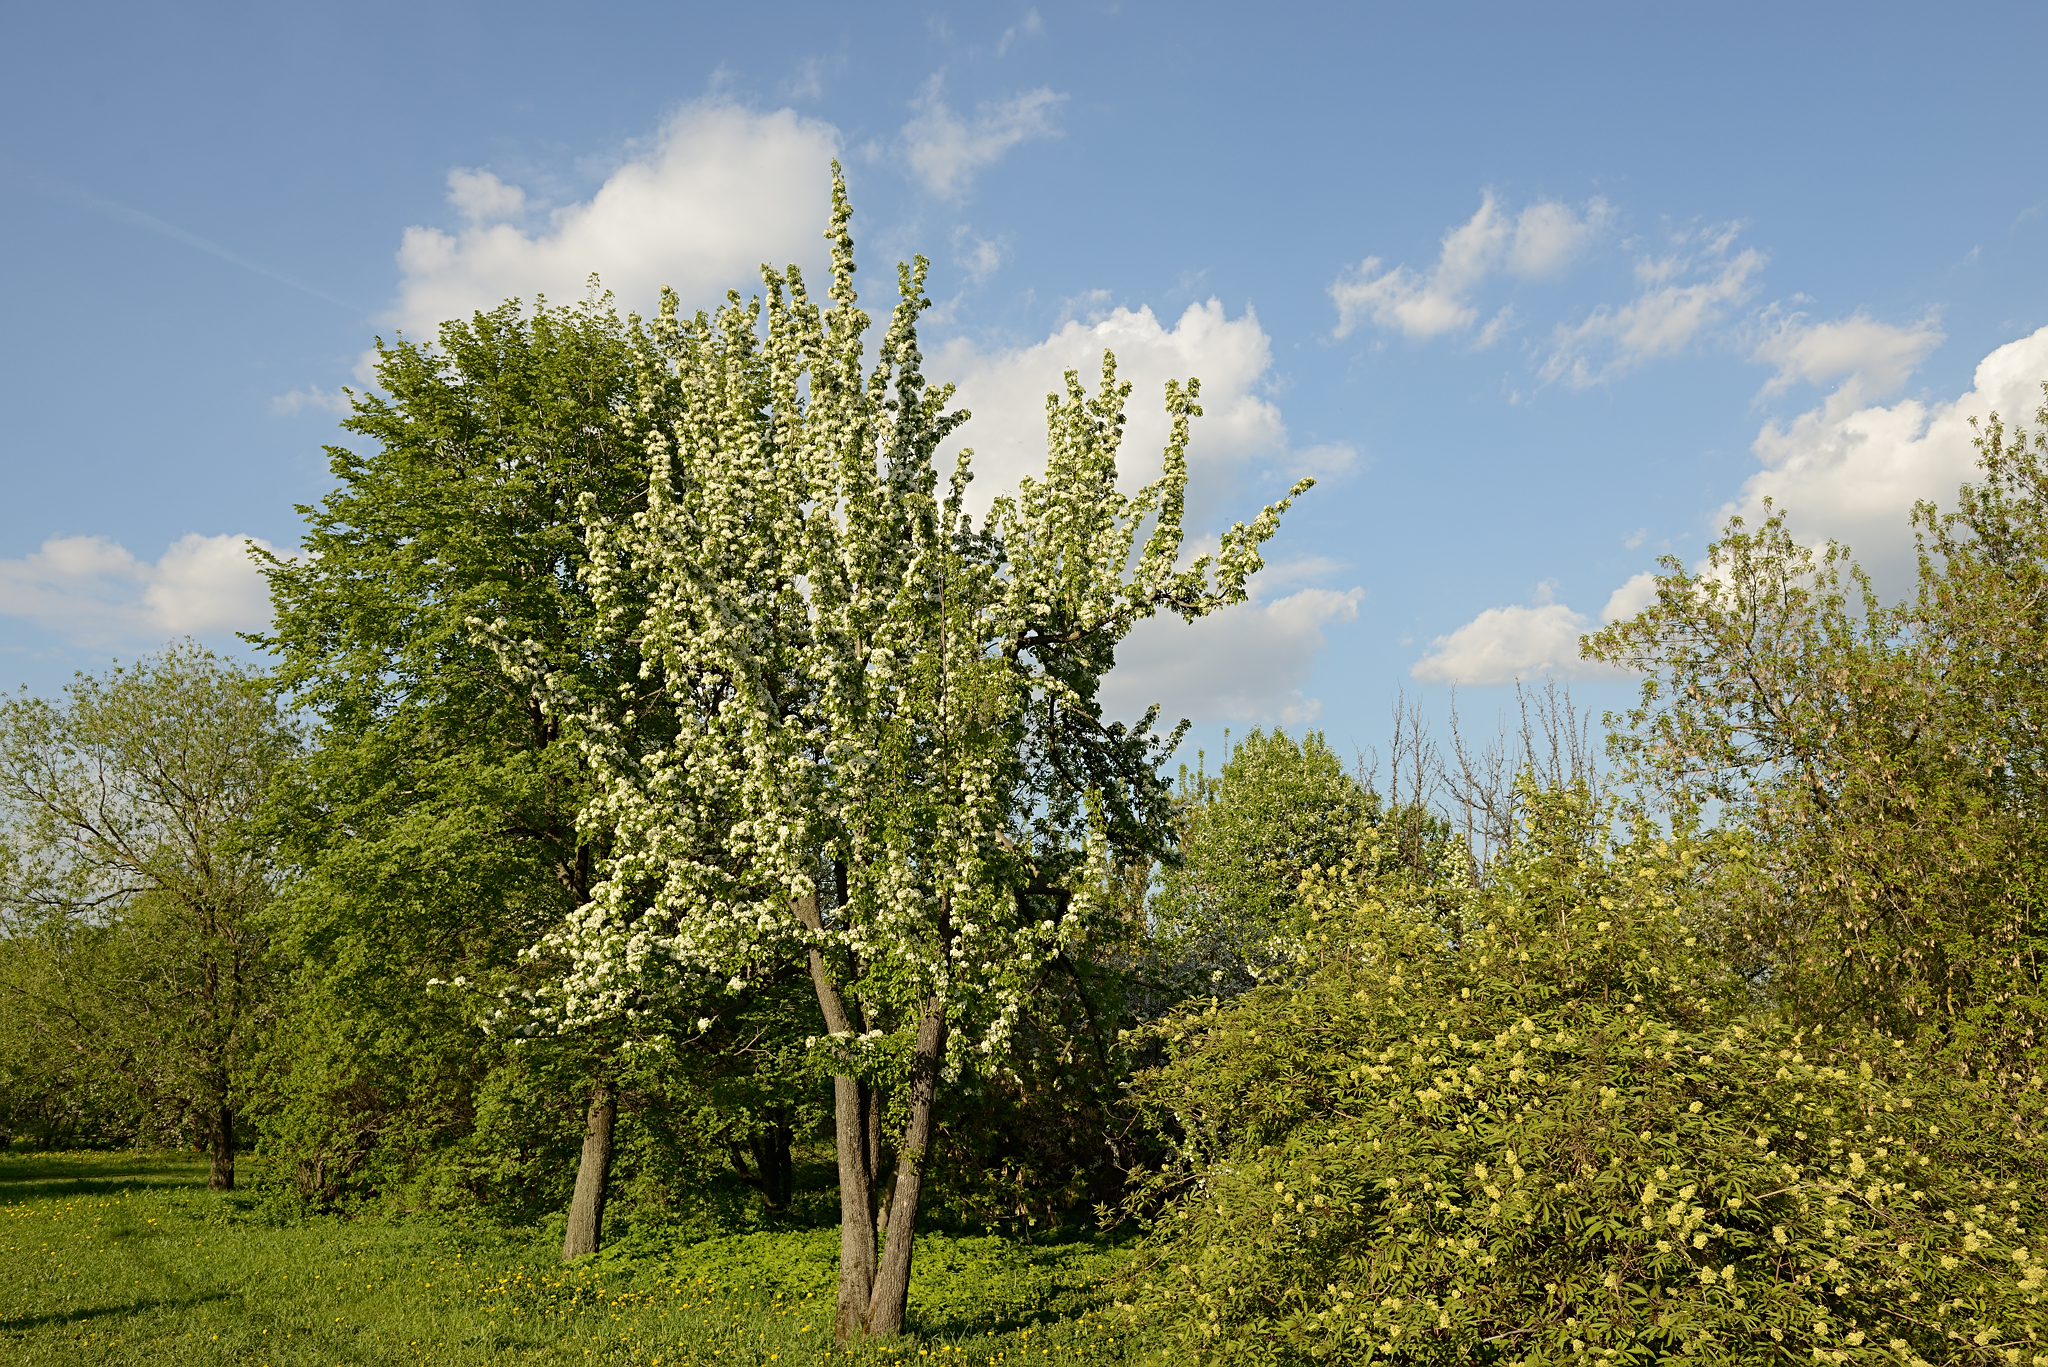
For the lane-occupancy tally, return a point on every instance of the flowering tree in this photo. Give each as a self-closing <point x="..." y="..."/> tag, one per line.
<point x="883" y="748"/>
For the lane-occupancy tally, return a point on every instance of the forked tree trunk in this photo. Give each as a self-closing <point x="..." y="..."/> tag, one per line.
<point x="854" y="1116"/>
<point x="220" y="1147"/>
<point x="874" y="1292"/>
<point x="593" y="1170"/>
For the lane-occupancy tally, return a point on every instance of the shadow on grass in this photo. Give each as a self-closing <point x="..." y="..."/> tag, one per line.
<point x="135" y="1307"/>
<point x="57" y="1176"/>
<point x="966" y="1287"/>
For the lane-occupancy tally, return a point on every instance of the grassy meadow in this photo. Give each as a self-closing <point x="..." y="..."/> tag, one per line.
<point x="119" y="1258"/>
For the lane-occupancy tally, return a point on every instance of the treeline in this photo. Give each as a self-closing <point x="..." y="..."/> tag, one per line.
<point x="659" y="793"/>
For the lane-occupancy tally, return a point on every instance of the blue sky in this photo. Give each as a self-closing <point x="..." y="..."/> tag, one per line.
<point x="1540" y="294"/>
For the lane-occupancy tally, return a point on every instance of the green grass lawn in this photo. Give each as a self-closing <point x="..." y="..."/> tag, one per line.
<point x="127" y="1258"/>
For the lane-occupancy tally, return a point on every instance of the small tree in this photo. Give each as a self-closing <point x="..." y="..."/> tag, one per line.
<point x="887" y="748"/>
<point x="1225" y="912"/>
<point x="139" y="870"/>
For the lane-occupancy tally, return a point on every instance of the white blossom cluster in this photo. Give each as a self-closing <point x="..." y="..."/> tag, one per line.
<point x="840" y="668"/>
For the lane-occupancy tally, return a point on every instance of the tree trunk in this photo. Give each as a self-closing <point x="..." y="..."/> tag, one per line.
<point x="855" y="1113"/>
<point x="874" y="1293"/>
<point x="773" y="1171"/>
<point x="892" y="1278"/>
<point x="852" y="1104"/>
<point x="220" y="1146"/>
<point x="772" y="1156"/>
<point x="586" y="1207"/>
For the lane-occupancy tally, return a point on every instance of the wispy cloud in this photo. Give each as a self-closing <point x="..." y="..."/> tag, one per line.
<point x="136" y="218"/>
<point x="1540" y="241"/>
<point x="980" y="257"/>
<point x="809" y="81"/>
<point x="1870" y="358"/>
<point x="311" y="397"/>
<point x="1030" y="26"/>
<point x="1679" y="296"/>
<point x="945" y="151"/>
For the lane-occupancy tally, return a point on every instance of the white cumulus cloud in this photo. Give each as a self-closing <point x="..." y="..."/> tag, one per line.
<point x="1540" y="241"/>
<point x="1853" y="473"/>
<point x="945" y="150"/>
<point x="1631" y="598"/>
<point x="482" y="198"/>
<point x="1247" y="663"/>
<point x="1250" y="662"/>
<point x="1504" y="644"/>
<point x="1679" y="296"/>
<point x="94" y="591"/>
<point x="1006" y="389"/>
<point x="719" y="192"/>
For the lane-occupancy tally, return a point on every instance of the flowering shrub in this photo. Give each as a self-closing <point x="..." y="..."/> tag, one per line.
<point x="1563" y="1134"/>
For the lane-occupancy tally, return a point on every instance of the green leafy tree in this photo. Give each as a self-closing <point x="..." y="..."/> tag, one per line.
<point x="885" y="748"/>
<point x="434" y="823"/>
<point x="1567" y="1137"/>
<point x="138" y="871"/>
<point x="1224" y="912"/>
<point x="1880" y="764"/>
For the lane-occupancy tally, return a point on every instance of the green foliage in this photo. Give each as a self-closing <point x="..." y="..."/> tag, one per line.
<point x="1563" y="1134"/>
<point x="135" y="866"/>
<point x="1878" y="768"/>
<point x="52" y="1094"/>
<point x="1224" y="913"/>
<point x="881" y="745"/>
<point x="434" y="825"/>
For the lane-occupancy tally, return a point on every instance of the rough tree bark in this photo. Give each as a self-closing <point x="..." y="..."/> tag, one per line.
<point x="586" y="1207"/>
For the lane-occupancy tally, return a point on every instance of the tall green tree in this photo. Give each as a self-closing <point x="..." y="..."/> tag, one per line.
<point x="138" y="869"/>
<point x="1224" y="912"/>
<point x="434" y="822"/>
<point x="886" y="749"/>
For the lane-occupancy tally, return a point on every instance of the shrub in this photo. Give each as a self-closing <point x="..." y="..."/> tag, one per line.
<point x="1566" y="1134"/>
